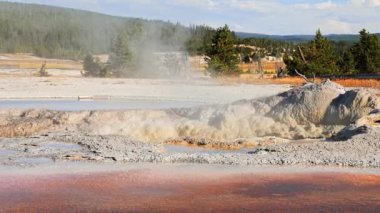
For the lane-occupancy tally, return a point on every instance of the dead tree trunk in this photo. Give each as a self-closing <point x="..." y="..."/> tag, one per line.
<point x="302" y="55"/>
<point x="43" y="72"/>
<point x="305" y="62"/>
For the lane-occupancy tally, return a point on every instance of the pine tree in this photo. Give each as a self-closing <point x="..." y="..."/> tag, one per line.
<point x="120" y="57"/>
<point x="320" y="58"/>
<point x="222" y="53"/>
<point x="367" y="53"/>
<point x="347" y="63"/>
<point x="91" y="67"/>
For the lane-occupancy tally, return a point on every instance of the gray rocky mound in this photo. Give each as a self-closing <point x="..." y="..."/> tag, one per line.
<point x="311" y="111"/>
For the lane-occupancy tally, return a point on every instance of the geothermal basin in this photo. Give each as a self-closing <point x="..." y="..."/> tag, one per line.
<point x="179" y="128"/>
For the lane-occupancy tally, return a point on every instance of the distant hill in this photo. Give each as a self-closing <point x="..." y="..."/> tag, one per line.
<point x="287" y="38"/>
<point x="61" y="32"/>
<point x="301" y="38"/>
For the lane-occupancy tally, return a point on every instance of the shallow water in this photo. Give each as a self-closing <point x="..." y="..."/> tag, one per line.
<point x="71" y="105"/>
<point x="110" y="94"/>
<point x="147" y="190"/>
<point x="6" y="152"/>
<point x="34" y="161"/>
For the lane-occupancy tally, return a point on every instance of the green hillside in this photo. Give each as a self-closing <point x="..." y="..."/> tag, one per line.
<point x="67" y="33"/>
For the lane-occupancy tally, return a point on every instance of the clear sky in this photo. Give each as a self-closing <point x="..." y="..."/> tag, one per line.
<point x="256" y="16"/>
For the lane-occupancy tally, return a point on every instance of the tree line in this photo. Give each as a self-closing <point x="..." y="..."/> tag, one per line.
<point x="132" y="43"/>
<point x="224" y="51"/>
<point x="322" y="57"/>
<point x="319" y="57"/>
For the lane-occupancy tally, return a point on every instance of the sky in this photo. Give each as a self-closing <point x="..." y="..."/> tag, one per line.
<point x="276" y="17"/>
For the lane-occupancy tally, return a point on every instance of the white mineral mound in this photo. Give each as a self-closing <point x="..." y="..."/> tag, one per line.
<point x="311" y="111"/>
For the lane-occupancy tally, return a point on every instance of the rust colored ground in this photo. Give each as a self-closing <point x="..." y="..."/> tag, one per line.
<point x="297" y="81"/>
<point x="157" y="191"/>
<point x="371" y="83"/>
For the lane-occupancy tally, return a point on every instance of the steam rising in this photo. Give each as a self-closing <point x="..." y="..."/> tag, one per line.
<point x="312" y="111"/>
<point x="157" y="49"/>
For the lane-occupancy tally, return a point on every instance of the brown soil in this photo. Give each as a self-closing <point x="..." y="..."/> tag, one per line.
<point x="210" y="144"/>
<point x="28" y="61"/>
<point x="297" y="81"/>
<point x="371" y="83"/>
